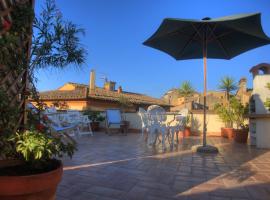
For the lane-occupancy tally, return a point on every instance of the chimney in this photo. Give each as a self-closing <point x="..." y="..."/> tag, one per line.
<point x="109" y="85"/>
<point x="243" y="84"/>
<point x="119" y="90"/>
<point x="92" y="83"/>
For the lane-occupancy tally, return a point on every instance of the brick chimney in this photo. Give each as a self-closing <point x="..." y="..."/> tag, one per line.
<point x="243" y="84"/>
<point x="92" y="82"/>
<point x="109" y="85"/>
<point x="119" y="90"/>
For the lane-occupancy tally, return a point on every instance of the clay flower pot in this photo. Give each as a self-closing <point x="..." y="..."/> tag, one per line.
<point x="223" y="133"/>
<point x="32" y="187"/>
<point x="228" y="133"/>
<point x="187" y="132"/>
<point x="241" y="135"/>
<point x="94" y="126"/>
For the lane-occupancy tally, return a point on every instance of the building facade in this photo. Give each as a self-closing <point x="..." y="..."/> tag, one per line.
<point x="259" y="117"/>
<point x="80" y="96"/>
<point x="195" y="102"/>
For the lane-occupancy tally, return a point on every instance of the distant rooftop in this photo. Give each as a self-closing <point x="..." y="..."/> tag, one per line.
<point x="82" y="91"/>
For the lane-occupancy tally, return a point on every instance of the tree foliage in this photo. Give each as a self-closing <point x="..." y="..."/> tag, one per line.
<point x="124" y="102"/>
<point x="234" y="113"/>
<point x="56" y="41"/>
<point x="186" y="89"/>
<point x="228" y="85"/>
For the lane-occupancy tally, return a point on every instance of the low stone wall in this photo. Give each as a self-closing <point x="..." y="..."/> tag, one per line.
<point x="213" y="122"/>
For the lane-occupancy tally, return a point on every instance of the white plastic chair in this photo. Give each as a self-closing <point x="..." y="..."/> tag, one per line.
<point x="56" y="126"/>
<point x="144" y="121"/>
<point x="177" y="124"/>
<point x="77" y="118"/>
<point x="157" y="124"/>
<point x="85" y="121"/>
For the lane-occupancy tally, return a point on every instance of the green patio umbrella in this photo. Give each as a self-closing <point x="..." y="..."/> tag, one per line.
<point x="220" y="38"/>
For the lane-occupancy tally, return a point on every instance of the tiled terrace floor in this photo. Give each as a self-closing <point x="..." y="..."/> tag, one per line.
<point x="123" y="167"/>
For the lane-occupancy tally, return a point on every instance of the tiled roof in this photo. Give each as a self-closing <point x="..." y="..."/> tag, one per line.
<point x="64" y="94"/>
<point x="99" y="93"/>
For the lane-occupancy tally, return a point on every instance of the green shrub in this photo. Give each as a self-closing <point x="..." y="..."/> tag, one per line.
<point x="94" y="116"/>
<point x="34" y="146"/>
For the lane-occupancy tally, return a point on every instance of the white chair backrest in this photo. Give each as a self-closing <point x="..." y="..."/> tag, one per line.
<point x="84" y="119"/>
<point x="54" y="119"/>
<point x="113" y="116"/>
<point x="157" y="113"/>
<point x="50" y="110"/>
<point x="144" y="117"/>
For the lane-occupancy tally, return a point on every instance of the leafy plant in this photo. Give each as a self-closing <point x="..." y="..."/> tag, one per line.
<point x="124" y="102"/>
<point x="38" y="150"/>
<point x="19" y="29"/>
<point x="225" y="114"/>
<point x="62" y="105"/>
<point x="239" y="112"/>
<point x="267" y="102"/>
<point x="94" y="116"/>
<point x="55" y="43"/>
<point x="228" y="85"/>
<point x="35" y="146"/>
<point x="234" y="113"/>
<point x="187" y="121"/>
<point x="8" y="113"/>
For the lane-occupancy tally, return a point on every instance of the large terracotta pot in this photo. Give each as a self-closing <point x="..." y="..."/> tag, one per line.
<point x="94" y="126"/>
<point x="241" y="135"/>
<point x="223" y="133"/>
<point x="187" y="132"/>
<point x="33" y="187"/>
<point x="228" y="133"/>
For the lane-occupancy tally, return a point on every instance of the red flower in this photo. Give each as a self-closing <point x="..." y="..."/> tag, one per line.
<point x="45" y="118"/>
<point x="6" y="25"/>
<point x="40" y="127"/>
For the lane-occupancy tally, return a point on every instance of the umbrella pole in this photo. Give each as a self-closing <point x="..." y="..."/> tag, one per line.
<point x="204" y="90"/>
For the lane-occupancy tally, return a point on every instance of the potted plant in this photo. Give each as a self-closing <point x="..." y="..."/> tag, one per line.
<point x="29" y="159"/>
<point x="29" y="166"/>
<point x="240" y="113"/>
<point x="187" y="126"/>
<point x="95" y="118"/>
<point x="226" y="115"/>
<point x="227" y="84"/>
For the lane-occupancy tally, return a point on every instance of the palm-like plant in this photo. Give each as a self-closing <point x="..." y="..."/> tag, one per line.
<point x="228" y="85"/>
<point x="267" y="102"/>
<point x="186" y="90"/>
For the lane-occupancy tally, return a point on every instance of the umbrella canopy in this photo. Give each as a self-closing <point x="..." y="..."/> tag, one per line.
<point x="225" y="37"/>
<point x="220" y="38"/>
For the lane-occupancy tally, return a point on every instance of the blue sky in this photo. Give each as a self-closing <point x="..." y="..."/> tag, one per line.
<point x="115" y="30"/>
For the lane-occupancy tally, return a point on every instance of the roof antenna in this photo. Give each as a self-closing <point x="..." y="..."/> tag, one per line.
<point x="104" y="77"/>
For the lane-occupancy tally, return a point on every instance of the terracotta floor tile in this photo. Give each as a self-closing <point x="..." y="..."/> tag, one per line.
<point x="123" y="167"/>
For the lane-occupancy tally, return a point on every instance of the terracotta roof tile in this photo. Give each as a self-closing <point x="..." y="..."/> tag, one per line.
<point x="64" y="94"/>
<point x="99" y="93"/>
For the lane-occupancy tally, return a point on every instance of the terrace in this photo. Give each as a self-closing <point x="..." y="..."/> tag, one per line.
<point x="124" y="167"/>
<point x="37" y="127"/>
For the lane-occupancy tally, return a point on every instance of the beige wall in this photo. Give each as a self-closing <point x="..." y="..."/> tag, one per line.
<point x="67" y="86"/>
<point x="213" y="122"/>
<point x="73" y="105"/>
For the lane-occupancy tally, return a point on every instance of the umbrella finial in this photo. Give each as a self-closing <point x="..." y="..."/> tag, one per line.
<point x="206" y="18"/>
